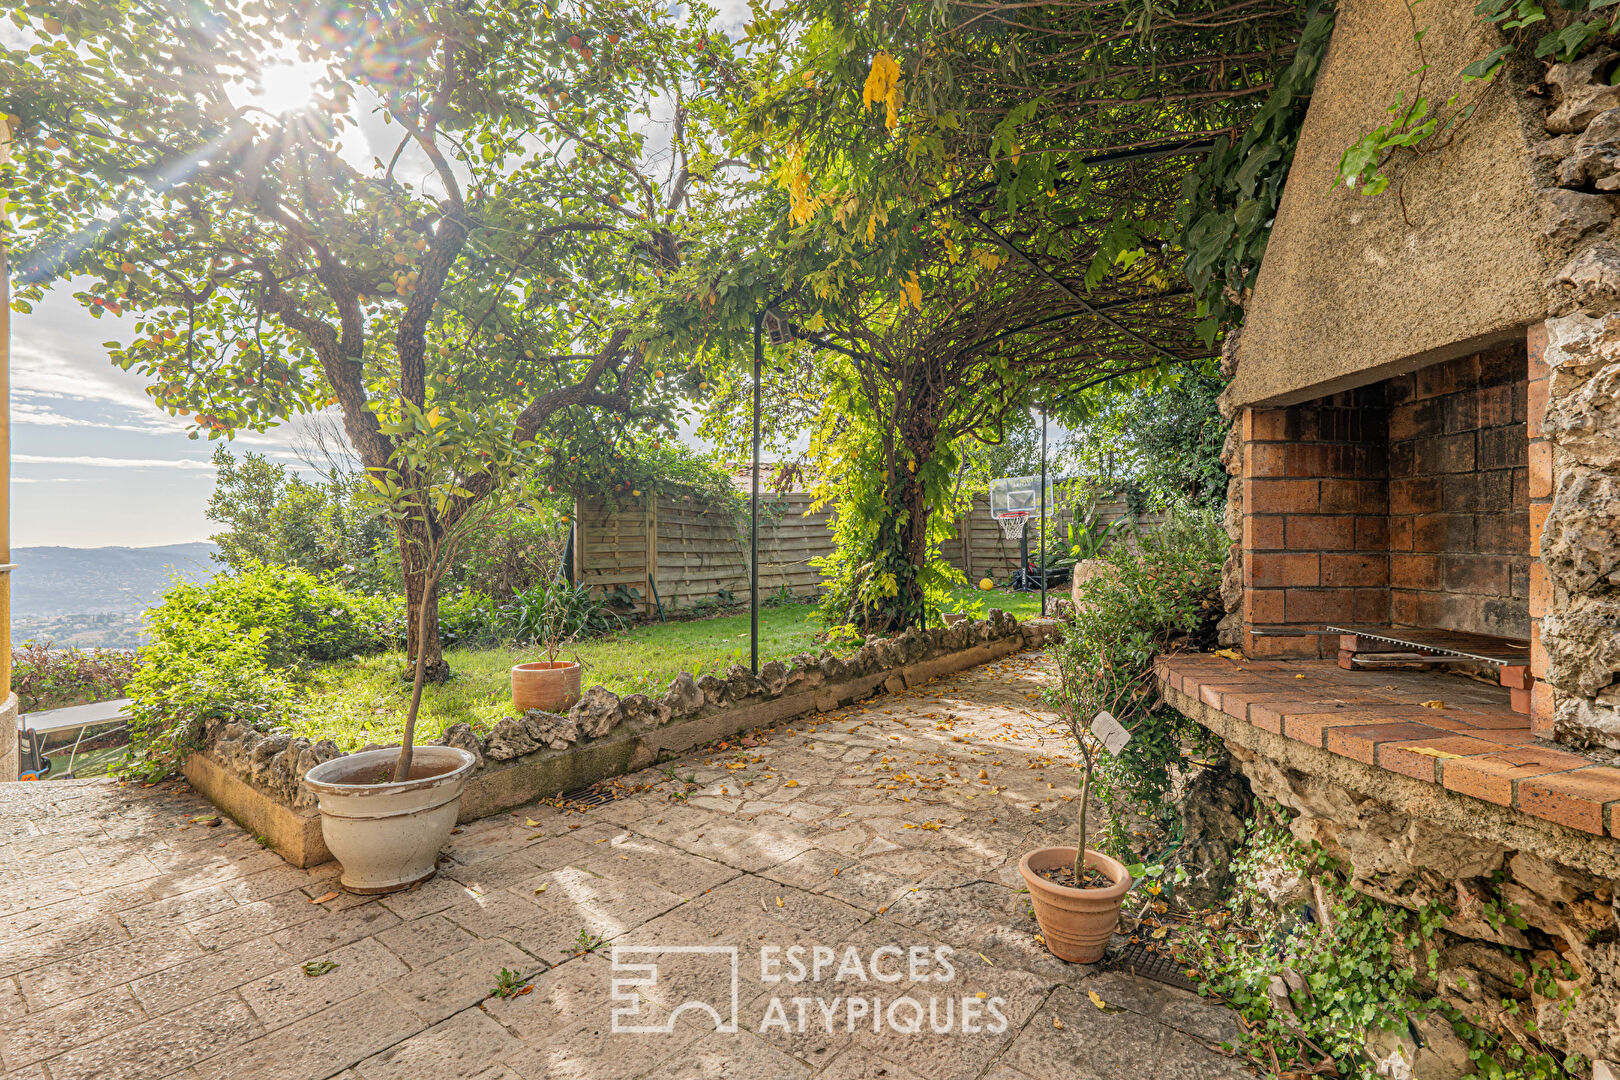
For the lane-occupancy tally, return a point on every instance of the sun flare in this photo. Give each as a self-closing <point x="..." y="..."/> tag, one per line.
<point x="286" y="87"/>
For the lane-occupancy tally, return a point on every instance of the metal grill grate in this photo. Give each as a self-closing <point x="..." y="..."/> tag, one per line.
<point x="587" y="796"/>
<point x="1136" y="960"/>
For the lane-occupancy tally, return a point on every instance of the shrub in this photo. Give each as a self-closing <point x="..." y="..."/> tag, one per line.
<point x="229" y="649"/>
<point x="1159" y="595"/>
<point x="554" y="614"/>
<point x="201" y="669"/>
<point x="468" y="618"/>
<point x="48" y="678"/>
<point x="304" y="618"/>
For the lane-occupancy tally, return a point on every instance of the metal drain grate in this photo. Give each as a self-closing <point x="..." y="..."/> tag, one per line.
<point x="587" y="796"/>
<point x="1136" y="960"/>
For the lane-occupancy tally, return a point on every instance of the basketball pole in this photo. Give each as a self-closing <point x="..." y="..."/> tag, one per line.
<point x="1043" y="510"/>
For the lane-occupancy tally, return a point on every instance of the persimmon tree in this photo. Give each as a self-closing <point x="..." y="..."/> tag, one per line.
<point x="379" y="208"/>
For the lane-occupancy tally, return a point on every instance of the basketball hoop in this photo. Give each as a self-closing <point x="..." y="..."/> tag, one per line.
<point x="1013" y="523"/>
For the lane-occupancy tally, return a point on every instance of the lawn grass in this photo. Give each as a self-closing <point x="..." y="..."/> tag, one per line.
<point x="355" y="702"/>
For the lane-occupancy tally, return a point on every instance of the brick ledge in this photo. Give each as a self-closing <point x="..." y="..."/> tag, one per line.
<point x="1483" y="771"/>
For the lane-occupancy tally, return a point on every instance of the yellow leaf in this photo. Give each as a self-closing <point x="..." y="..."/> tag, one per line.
<point x="530" y="822"/>
<point x="1159" y="933"/>
<point x="780" y="902"/>
<point x="1432" y="704"/>
<point x="911" y="290"/>
<point x="543" y="888"/>
<point x="883" y="80"/>
<point x="1429" y="751"/>
<point x="1096" y="999"/>
<point x="1230" y="654"/>
<point x="433" y="417"/>
<point x="791" y="783"/>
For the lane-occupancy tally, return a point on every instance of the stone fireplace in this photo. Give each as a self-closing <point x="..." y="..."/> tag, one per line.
<point x="1404" y="504"/>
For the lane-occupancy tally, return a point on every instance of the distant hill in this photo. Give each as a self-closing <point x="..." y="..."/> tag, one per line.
<point x="95" y="596"/>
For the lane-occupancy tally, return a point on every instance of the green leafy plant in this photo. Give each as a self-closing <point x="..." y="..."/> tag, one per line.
<point x="1160" y="595"/>
<point x="305" y="618"/>
<point x="1230" y="200"/>
<point x="45" y="677"/>
<point x="194" y="672"/>
<point x="510" y="984"/>
<point x="588" y="942"/>
<point x="556" y="614"/>
<point x="437" y="491"/>
<point x="1358" y="966"/>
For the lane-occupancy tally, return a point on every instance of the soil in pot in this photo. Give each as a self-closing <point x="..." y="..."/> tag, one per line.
<point x="1090" y="877"/>
<point x="373" y="773"/>
<point x="1076" y="922"/>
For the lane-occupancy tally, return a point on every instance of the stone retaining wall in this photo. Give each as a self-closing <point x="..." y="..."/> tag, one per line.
<point x="257" y="776"/>
<point x="1524" y="894"/>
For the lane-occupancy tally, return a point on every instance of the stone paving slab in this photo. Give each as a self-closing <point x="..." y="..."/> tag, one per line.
<point x="841" y="892"/>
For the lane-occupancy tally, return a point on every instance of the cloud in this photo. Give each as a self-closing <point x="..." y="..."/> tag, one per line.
<point x="93" y="462"/>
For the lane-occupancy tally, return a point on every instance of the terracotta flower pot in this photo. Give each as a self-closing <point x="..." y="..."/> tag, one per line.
<point x="1076" y="923"/>
<point x="551" y="685"/>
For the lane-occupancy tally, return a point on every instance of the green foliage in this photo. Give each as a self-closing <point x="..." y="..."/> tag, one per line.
<point x="488" y="265"/>
<point x="304" y="619"/>
<point x="1417" y="125"/>
<point x="1162" y="439"/>
<point x="1163" y="594"/>
<point x="551" y="615"/>
<point x="202" y="665"/>
<point x="274" y="517"/>
<point x="1229" y="201"/>
<point x="1365" y="966"/>
<point x="44" y="677"/>
<point x="885" y="573"/>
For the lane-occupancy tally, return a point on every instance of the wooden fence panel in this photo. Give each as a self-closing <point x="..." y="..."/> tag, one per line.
<point x="697" y="552"/>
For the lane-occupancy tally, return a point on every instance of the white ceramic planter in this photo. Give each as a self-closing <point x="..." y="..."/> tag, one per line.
<point x="388" y="835"/>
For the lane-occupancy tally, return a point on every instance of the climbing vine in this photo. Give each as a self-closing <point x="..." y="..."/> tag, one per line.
<point x="1313" y="983"/>
<point x="1229" y="202"/>
<point x="1417" y="125"/>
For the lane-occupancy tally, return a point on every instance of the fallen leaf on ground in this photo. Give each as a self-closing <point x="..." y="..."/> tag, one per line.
<point x="530" y="822"/>
<point x="316" y="968"/>
<point x="1096" y="999"/>
<point x="1432" y="704"/>
<point x="324" y="899"/>
<point x="543" y="888"/>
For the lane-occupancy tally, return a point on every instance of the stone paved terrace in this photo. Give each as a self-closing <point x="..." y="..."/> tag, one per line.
<point x="1475" y="745"/>
<point x="136" y="942"/>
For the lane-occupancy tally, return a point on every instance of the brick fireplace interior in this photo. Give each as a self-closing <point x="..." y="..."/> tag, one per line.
<point x="1405" y="503"/>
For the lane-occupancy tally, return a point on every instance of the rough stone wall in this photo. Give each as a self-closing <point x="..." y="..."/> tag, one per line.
<point x="1486" y="959"/>
<point x="1580" y="537"/>
<point x="275" y="762"/>
<point x="1575" y="423"/>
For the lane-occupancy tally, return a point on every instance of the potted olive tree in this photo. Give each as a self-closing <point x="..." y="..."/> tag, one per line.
<point x="551" y="616"/>
<point x="385" y="814"/>
<point x="1077" y="892"/>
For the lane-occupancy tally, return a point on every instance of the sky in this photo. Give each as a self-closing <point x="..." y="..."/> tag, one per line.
<point x="94" y="462"/>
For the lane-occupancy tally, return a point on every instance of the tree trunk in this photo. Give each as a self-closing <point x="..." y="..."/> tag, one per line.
<point x="422" y="634"/>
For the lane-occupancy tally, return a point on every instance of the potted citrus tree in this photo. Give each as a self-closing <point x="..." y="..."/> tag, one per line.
<point x="1076" y="892"/>
<point x="385" y="814"/>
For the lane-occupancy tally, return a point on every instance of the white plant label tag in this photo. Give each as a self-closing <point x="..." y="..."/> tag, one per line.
<point x="1110" y="732"/>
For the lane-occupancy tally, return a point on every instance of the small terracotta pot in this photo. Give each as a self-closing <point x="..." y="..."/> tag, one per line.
<point x="551" y="685"/>
<point x="1076" y="923"/>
